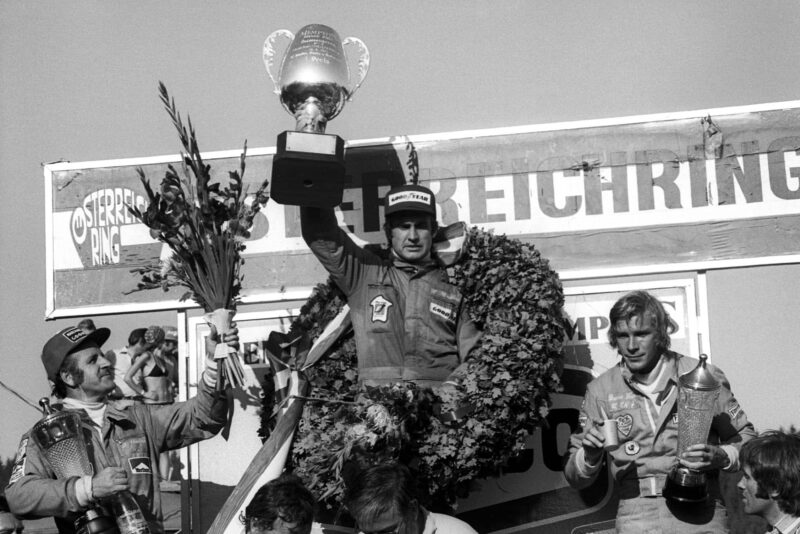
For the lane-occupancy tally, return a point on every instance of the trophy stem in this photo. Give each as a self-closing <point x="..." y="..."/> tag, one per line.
<point x="309" y="117"/>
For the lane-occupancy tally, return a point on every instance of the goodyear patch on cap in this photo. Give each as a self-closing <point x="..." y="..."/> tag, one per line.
<point x="409" y="196"/>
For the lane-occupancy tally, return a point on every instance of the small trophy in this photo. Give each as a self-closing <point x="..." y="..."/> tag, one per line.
<point x="313" y="76"/>
<point x="60" y="436"/>
<point x="698" y="391"/>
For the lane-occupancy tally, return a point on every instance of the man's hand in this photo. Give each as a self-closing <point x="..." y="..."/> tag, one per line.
<point x="704" y="457"/>
<point x="109" y="481"/>
<point x="593" y="443"/>
<point x="231" y="338"/>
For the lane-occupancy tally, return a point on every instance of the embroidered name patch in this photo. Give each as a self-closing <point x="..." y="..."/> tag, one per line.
<point x="140" y="465"/>
<point x="18" y="470"/>
<point x="445" y="312"/>
<point x="380" y="309"/>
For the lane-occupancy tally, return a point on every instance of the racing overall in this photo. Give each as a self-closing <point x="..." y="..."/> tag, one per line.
<point x="131" y="437"/>
<point x="649" y="439"/>
<point x="409" y="322"/>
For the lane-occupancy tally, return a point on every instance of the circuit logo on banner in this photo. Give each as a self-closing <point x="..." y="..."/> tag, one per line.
<point x="96" y="224"/>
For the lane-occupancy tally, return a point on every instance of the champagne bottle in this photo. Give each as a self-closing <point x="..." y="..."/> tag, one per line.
<point x="95" y="521"/>
<point x="130" y="518"/>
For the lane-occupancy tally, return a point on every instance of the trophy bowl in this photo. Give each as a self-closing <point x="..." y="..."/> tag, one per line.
<point x="60" y="436"/>
<point x="698" y="391"/>
<point x="314" y="76"/>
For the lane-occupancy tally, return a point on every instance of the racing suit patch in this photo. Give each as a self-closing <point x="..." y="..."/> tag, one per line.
<point x="632" y="448"/>
<point x="625" y="423"/>
<point x="380" y="309"/>
<point x="444" y="311"/>
<point x="734" y="410"/>
<point x="140" y="465"/>
<point x="583" y="419"/>
<point x="18" y="471"/>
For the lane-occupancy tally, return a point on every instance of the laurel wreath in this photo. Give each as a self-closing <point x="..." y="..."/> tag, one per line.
<point x="514" y="296"/>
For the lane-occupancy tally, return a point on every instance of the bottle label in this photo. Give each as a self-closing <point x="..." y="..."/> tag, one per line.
<point x="132" y="522"/>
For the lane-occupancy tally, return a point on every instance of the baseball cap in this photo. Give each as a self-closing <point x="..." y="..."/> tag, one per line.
<point x="410" y="198"/>
<point x="170" y="333"/>
<point x="66" y="341"/>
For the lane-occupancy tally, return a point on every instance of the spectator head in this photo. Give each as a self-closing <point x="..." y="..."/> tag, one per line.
<point x="170" y="344"/>
<point x="87" y="324"/>
<point x="771" y="479"/>
<point x="383" y="499"/>
<point x="281" y="506"/>
<point x="136" y="342"/>
<point x="153" y="337"/>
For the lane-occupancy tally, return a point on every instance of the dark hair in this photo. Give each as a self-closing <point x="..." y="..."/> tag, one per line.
<point x="136" y="336"/>
<point x="286" y="496"/>
<point x="644" y="305"/>
<point x="380" y="489"/>
<point x="774" y="461"/>
<point x="87" y="324"/>
<point x="70" y="367"/>
<point x="3" y="504"/>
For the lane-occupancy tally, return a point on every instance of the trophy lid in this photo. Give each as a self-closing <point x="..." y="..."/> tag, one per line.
<point x="700" y="378"/>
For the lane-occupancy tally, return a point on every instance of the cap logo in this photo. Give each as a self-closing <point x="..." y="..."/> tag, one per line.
<point x="410" y="196"/>
<point x="74" y="334"/>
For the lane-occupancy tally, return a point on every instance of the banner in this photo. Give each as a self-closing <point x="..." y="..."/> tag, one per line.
<point x="629" y="194"/>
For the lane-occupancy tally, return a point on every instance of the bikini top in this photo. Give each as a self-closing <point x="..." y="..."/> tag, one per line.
<point x="156" y="371"/>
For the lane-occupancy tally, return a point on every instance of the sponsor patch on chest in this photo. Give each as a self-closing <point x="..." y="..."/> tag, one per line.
<point x="380" y="309"/>
<point x="443" y="310"/>
<point x="140" y="465"/>
<point x="624" y="424"/>
<point x="734" y="410"/>
<point x="619" y="403"/>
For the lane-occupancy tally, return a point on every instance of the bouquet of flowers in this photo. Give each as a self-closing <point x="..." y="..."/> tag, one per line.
<point x="204" y="225"/>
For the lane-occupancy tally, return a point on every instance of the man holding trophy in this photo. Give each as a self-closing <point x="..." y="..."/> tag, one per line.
<point x="666" y="424"/>
<point x="115" y="449"/>
<point x="409" y="322"/>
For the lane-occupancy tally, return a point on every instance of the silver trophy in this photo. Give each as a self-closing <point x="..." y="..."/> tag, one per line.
<point x="698" y="391"/>
<point x="60" y="436"/>
<point x="314" y="76"/>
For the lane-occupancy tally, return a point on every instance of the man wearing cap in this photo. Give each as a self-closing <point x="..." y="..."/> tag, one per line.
<point x="123" y="443"/>
<point x="409" y="322"/>
<point x="169" y="350"/>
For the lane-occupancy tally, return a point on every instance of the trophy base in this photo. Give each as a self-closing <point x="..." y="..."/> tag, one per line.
<point x="686" y="485"/>
<point x="308" y="170"/>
